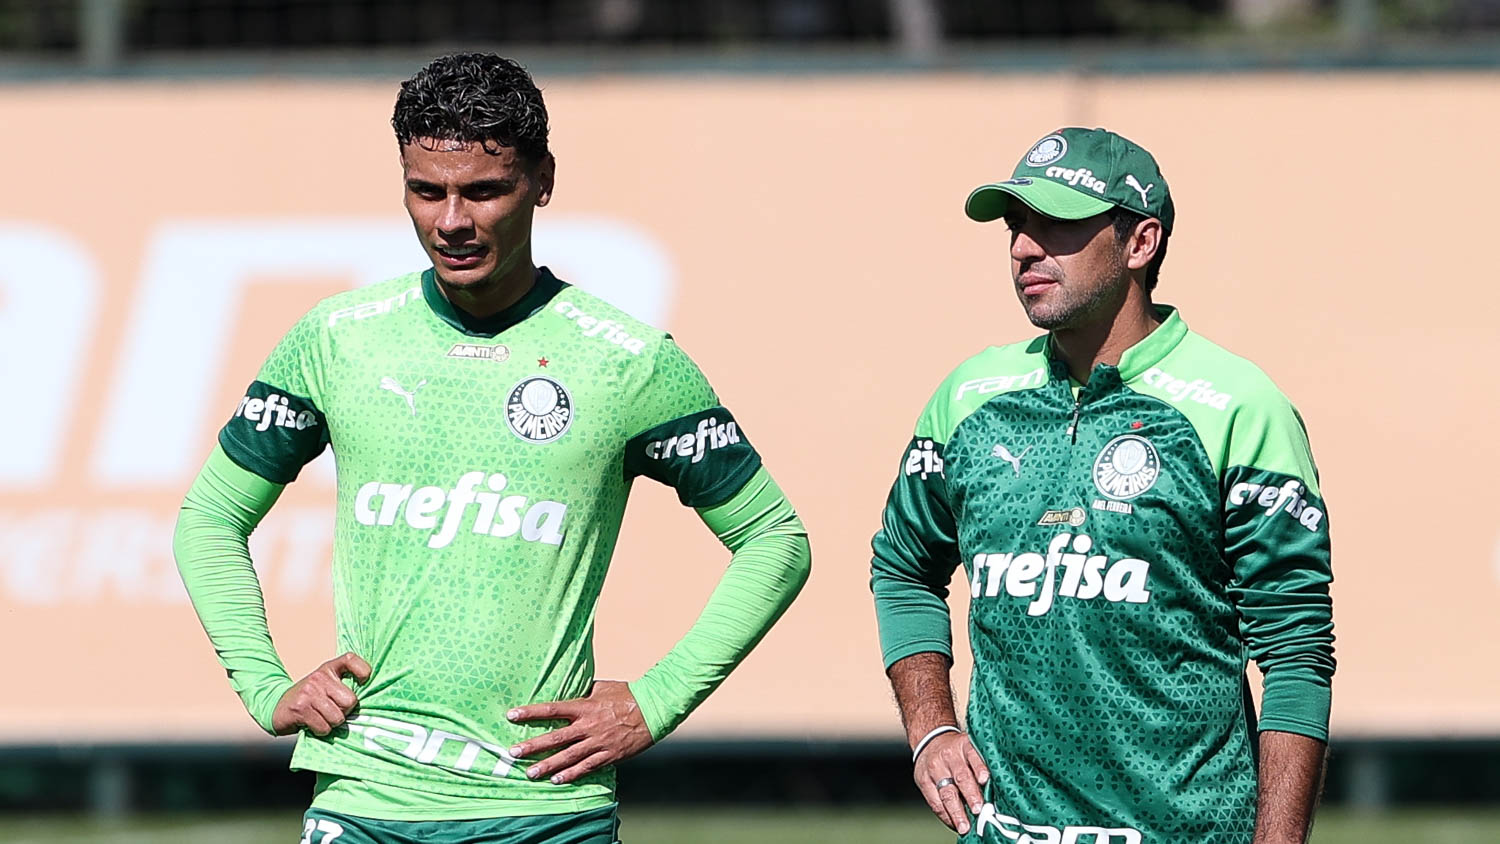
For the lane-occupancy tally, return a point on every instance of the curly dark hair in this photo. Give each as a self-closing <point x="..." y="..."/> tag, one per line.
<point x="474" y="98"/>
<point x="1124" y="221"/>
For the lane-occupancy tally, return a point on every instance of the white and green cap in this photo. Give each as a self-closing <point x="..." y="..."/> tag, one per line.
<point x="1075" y="173"/>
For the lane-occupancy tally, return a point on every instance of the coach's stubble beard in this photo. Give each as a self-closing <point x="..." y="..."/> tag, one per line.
<point x="1073" y="304"/>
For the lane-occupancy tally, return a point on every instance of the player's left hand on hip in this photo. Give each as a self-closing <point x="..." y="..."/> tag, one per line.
<point x="603" y="728"/>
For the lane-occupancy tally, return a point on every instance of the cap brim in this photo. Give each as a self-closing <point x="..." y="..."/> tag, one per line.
<point x="988" y="202"/>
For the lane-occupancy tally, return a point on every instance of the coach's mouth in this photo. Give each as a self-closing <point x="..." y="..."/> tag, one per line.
<point x="1035" y="284"/>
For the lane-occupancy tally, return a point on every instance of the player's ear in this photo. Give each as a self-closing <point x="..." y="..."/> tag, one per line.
<point x="1143" y="243"/>
<point x="546" y="172"/>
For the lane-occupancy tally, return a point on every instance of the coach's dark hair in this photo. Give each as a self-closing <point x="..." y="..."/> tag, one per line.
<point x="1124" y="221"/>
<point x="474" y="98"/>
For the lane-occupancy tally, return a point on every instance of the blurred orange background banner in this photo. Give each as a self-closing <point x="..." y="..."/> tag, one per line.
<point x="803" y="238"/>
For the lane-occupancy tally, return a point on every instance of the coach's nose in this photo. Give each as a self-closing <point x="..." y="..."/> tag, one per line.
<point x="1025" y="248"/>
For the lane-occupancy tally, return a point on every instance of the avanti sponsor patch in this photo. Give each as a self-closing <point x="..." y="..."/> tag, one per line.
<point x="473" y="351"/>
<point x="1074" y="517"/>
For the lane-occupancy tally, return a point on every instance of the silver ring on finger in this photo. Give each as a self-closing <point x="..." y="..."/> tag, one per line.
<point x="945" y="782"/>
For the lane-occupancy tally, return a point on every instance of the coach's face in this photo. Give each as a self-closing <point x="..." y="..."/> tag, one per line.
<point x="472" y="209"/>
<point x="1067" y="272"/>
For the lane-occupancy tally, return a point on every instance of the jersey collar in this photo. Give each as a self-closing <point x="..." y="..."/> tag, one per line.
<point x="1155" y="346"/>
<point x="1138" y="358"/>
<point x="542" y="290"/>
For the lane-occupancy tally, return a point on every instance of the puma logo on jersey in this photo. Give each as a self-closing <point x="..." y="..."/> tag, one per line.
<point x="1136" y="186"/>
<point x="1084" y="576"/>
<point x="389" y="383"/>
<point x="1012" y="829"/>
<point x="1003" y="453"/>
<point x="274" y="410"/>
<point x="432" y="507"/>
<point x="923" y="459"/>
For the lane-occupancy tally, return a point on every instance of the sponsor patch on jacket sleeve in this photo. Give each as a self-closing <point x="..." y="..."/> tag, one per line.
<point x="704" y="456"/>
<point x="274" y="433"/>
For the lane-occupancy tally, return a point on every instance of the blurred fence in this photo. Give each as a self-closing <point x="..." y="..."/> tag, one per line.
<point x="103" y="33"/>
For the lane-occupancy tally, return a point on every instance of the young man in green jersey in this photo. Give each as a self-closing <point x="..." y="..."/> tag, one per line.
<point x="487" y="420"/>
<point x="1138" y="513"/>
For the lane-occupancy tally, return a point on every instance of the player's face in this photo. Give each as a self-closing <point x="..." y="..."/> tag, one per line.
<point x="1067" y="272"/>
<point x="472" y="209"/>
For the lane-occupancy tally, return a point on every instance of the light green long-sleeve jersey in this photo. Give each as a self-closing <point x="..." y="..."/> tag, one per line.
<point x="483" y="470"/>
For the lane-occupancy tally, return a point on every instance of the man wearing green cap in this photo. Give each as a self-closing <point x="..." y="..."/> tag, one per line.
<point x="1138" y="513"/>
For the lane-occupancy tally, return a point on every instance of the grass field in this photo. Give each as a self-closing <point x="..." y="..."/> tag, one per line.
<point x="732" y="826"/>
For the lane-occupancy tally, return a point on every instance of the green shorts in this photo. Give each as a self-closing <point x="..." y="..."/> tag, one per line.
<point x="596" y="826"/>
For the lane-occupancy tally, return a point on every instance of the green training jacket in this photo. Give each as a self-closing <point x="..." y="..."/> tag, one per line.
<point x="1129" y="545"/>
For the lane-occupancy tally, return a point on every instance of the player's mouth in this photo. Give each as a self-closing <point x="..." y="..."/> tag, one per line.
<point x="460" y="257"/>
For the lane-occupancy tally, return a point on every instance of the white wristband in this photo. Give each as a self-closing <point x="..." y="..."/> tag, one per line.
<point x="946" y="728"/>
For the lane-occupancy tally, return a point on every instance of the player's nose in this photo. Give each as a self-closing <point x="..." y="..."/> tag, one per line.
<point x="455" y="217"/>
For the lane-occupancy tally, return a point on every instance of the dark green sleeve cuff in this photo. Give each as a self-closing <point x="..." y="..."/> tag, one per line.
<point x="1292" y="704"/>
<point x="905" y="649"/>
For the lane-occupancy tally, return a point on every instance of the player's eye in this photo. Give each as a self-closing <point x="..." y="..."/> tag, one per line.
<point x="488" y="190"/>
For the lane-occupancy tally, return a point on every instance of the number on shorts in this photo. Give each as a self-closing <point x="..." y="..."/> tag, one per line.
<point x="329" y="829"/>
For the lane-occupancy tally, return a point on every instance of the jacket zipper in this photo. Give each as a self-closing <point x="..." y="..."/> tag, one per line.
<point x="1073" y="425"/>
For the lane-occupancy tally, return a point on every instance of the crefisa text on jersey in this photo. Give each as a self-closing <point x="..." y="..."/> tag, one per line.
<point x="923" y="459"/>
<point x="496" y="516"/>
<point x="1084" y="576"/>
<point x="274" y="410"/>
<point x="608" y="328"/>
<point x="709" y="435"/>
<point x="1286" y="498"/>
<point x="1197" y="389"/>
<point x="1027" y="833"/>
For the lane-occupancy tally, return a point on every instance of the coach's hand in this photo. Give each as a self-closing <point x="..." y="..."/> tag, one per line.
<point x="318" y="702"/>
<point x="950" y="759"/>
<point x="603" y="728"/>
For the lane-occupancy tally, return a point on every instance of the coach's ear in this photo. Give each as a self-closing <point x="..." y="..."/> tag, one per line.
<point x="546" y="172"/>
<point x="1143" y="243"/>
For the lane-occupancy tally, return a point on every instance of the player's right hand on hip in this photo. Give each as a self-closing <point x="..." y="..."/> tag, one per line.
<point x="318" y="702"/>
<point x="949" y="773"/>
